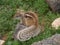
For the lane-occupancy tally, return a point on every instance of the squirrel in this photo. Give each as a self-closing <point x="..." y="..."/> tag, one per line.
<point x="29" y="26"/>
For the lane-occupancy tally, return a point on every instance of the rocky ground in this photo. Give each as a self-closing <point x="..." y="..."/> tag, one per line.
<point x="54" y="40"/>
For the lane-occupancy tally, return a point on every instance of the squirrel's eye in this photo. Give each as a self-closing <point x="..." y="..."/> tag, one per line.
<point x="26" y="16"/>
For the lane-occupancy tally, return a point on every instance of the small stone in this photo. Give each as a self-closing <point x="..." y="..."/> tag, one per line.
<point x="56" y="23"/>
<point x="2" y="42"/>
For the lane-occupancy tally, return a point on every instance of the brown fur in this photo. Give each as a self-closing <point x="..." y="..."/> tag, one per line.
<point x="32" y="19"/>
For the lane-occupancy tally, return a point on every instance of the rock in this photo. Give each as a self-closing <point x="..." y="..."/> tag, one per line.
<point x="56" y="23"/>
<point x="2" y="42"/>
<point x="54" y="40"/>
<point x="54" y="4"/>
